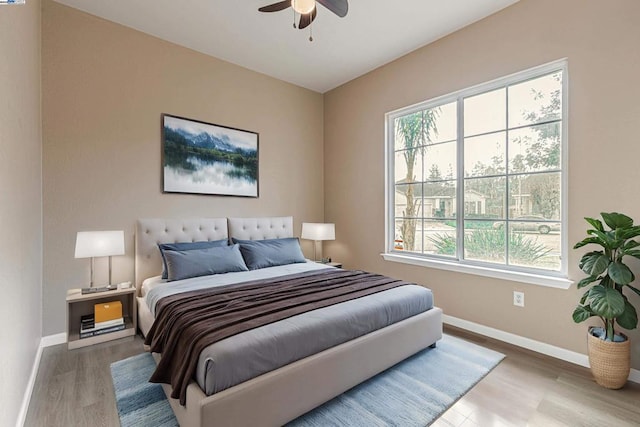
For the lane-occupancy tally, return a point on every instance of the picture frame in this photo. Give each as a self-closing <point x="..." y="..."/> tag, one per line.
<point x="208" y="159"/>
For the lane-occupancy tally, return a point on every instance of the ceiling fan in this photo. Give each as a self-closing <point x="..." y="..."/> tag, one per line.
<point x="307" y="9"/>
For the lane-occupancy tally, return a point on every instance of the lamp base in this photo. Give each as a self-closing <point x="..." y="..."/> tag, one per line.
<point x="315" y="250"/>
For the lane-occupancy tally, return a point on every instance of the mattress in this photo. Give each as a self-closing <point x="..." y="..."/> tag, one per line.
<point x="246" y="355"/>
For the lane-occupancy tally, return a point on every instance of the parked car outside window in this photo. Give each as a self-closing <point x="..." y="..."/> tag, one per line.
<point x="530" y="223"/>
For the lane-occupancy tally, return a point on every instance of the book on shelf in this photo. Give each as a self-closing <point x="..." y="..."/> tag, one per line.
<point x="109" y="323"/>
<point x="105" y="311"/>
<point x="87" y="321"/>
<point x="89" y="327"/>
<point x="94" y="332"/>
<point x="101" y="325"/>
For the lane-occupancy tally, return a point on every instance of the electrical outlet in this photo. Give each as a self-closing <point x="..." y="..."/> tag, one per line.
<point x="518" y="298"/>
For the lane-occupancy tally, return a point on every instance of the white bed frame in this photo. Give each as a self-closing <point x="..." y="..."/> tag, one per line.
<point x="274" y="398"/>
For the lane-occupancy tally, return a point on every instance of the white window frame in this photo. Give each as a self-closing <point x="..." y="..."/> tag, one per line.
<point x="555" y="279"/>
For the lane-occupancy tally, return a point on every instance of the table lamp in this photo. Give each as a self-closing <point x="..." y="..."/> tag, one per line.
<point x="91" y="244"/>
<point x="318" y="232"/>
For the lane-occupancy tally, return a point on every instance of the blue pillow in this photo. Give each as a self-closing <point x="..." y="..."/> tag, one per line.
<point x="271" y="252"/>
<point x="203" y="262"/>
<point x="187" y="246"/>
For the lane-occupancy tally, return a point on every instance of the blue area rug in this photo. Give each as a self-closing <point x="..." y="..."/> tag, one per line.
<point x="412" y="393"/>
<point x="139" y="402"/>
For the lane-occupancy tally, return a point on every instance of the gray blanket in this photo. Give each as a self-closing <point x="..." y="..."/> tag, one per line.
<point x="261" y="350"/>
<point x="242" y="356"/>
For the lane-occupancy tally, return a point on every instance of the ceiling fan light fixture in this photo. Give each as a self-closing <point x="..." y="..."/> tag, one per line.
<point x="303" y="6"/>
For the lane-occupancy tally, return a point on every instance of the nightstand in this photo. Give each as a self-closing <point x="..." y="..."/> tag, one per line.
<point x="78" y="305"/>
<point x="333" y="264"/>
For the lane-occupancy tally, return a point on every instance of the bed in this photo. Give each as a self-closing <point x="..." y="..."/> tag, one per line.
<point x="302" y="384"/>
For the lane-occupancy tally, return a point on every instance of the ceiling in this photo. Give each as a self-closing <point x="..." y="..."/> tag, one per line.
<point x="373" y="33"/>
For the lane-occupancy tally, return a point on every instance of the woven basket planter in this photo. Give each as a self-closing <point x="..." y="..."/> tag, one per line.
<point x="610" y="361"/>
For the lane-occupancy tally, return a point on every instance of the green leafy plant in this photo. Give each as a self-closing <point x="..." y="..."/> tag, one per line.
<point x="489" y="244"/>
<point x="445" y="243"/>
<point x="608" y="275"/>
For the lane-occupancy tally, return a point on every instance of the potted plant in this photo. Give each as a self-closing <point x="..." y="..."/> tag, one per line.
<point x="608" y="276"/>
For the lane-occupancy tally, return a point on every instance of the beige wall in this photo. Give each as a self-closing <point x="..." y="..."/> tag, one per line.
<point x="600" y="40"/>
<point x="20" y="202"/>
<point x="104" y="87"/>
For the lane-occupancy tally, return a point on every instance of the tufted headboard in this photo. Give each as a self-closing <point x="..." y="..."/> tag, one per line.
<point x="276" y="227"/>
<point x="150" y="232"/>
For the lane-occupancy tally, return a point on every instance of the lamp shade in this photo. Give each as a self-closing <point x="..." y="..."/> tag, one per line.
<point x="99" y="243"/>
<point x="318" y="231"/>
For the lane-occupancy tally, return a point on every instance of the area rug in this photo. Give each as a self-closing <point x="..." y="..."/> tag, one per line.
<point x="412" y="393"/>
<point x="139" y="402"/>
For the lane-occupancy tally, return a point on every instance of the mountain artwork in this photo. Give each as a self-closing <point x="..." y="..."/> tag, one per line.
<point x="204" y="158"/>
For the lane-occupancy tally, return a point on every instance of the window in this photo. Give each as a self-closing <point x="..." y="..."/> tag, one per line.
<point x="477" y="178"/>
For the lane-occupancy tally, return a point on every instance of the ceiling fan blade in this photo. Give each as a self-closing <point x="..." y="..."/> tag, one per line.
<point x="339" y="7"/>
<point x="276" y="7"/>
<point x="307" y="19"/>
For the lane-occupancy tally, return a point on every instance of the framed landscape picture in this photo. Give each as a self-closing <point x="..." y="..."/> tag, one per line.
<point x="203" y="158"/>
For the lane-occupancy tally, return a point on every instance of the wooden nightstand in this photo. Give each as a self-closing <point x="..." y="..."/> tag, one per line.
<point x="79" y="305"/>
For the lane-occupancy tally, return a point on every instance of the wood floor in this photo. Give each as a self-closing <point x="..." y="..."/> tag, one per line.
<point x="74" y="388"/>
<point x="529" y="389"/>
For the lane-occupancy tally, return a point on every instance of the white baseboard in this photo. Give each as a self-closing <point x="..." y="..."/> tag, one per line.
<point x="44" y="342"/>
<point x="56" y="339"/>
<point x="26" y="399"/>
<point x="529" y="344"/>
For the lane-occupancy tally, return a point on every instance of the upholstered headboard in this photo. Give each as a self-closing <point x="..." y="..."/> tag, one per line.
<point x="261" y="228"/>
<point x="150" y="232"/>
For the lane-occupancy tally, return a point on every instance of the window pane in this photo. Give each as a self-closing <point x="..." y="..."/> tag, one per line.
<point x="439" y="200"/>
<point x="485" y="244"/>
<point x="440" y="161"/>
<point x="533" y="224"/>
<point x="407" y="200"/>
<point x="529" y="248"/>
<point x="424" y="127"/>
<point x="485" y="113"/>
<point x="535" y="101"/>
<point x="439" y="237"/>
<point x="536" y="195"/>
<point x="398" y="243"/>
<point x="408" y="166"/>
<point x="489" y="193"/>
<point x="535" y="148"/>
<point x="445" y="124"/>
<point x="407" y="234"/>
<point x="409" y="131"/>
<point x="485" y="155"/>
